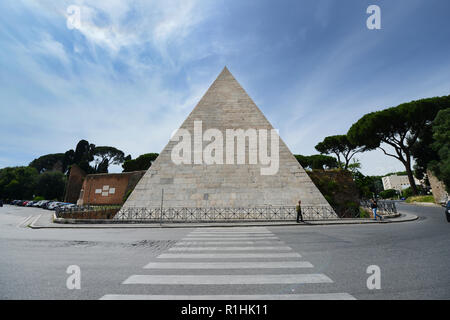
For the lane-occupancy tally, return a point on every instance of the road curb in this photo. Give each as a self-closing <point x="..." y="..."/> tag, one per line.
<point x="60" y="223"/>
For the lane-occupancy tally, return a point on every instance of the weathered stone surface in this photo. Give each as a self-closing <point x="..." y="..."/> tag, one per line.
<point x="225" y="106"/>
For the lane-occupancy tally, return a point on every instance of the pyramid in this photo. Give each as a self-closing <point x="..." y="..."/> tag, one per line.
<point x="224" y="106"/>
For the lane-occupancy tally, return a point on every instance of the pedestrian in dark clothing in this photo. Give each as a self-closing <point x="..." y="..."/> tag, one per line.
<point x="374" y="206"/>
<point x="299" y="211"/>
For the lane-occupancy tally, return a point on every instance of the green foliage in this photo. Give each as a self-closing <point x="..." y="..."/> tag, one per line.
<point x="406" y="193"/>
<point x="18" y="183"/>
<point x="143" y="162"/>
<point x="51" y="185"/>
<point x="367" y="185"/>
<point x="363" y="213"/>
<point x="420" y="199"/>
<point x="390" y="193"/>
<point x="339" y="190"/>
<point x="341" y="147"/>
<point x="26" y="183"/>
<point x="48" y="162"/>
<point x="317" y="162"/>
<point x="441" y="145"/>
<point x="127" y="194"/>
<point x="400" y="127"/>
<point x="105" y="156"/>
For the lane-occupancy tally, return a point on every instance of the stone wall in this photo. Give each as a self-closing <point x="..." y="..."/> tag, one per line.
<point x="438" y="188"/>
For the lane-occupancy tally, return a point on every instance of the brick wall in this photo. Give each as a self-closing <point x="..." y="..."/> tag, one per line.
<point x="108" y="188"/>
<point x="74" y="184"/>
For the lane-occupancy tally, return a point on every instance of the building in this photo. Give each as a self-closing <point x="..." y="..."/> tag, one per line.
<point x="396" y="182"/>
<point x="108" y="188"/>
<point x="228" y="181"/>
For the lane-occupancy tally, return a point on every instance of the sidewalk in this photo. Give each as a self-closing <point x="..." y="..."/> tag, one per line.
<point x="45" y="221"/>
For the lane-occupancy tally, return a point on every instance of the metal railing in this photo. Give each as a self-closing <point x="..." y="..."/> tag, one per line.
<point x="384" y="207"/>
<point x="186" y="214"/>
<point x="217" y="214"/>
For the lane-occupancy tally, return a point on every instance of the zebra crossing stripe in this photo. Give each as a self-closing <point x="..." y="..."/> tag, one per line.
<point x="182" y="249"/>
<point x="228" y="279"/>
<point x="193" y="243"/>
<point x="234" y="238"/>
<point x="227" y="255"/>
<point x="306" y="296"/>
<point x="230" y="265"/>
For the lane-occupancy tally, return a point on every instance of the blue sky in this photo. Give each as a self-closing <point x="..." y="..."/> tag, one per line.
<point x="134" y="70"/>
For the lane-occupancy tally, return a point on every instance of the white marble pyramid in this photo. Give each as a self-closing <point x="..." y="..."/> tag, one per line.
<point x="225" y="105"/>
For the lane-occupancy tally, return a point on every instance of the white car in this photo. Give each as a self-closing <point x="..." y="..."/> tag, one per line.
<point x="54" y="205"/>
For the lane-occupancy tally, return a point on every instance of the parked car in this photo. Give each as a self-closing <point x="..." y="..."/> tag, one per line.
<point x="30" y="203"/>
<point x="1" y="203"/>
<point x="447" y="211"/>
<point x="37" y="204"/>
<point x="67" y="206"/>
<point x="44" y="203"/>
<point x="54" y="205"/>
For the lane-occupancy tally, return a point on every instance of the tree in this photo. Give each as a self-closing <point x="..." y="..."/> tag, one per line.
<point x="83" y="155"/>
<point x="341" y="147"/>
<point x="47" y="162"/>
<point x="143" y="162"/>
<point x="389" y="193"/>
<point x="51" y="185"/>
<point x="423" y="153"/>
<point x="398" y="127"/>
<point x="368" y="186"/>
<point x="104" y="156"/>
<point x="441" y="145"/>
<point x="317" y="162"/>
<point x="18" y="183"/>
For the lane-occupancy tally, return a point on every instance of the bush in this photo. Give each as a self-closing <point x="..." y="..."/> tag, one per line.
<point x="38" y="198"/>
<point x="390" y="193"/>
<point x="420" y="199"/>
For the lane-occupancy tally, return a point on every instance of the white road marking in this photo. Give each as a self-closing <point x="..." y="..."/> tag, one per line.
<point x="235" y="238"/>
<point x="229" y="279"/>
<point x="20" y="225"/>
<point x="234" y="232"/>
<point x="227" y="255"/>
<point x="37" y="218"/>
<point x="193" y="243"/>
<point x="307" y="296"/>
<point x="281" y="248"/>
<point x="206" y="235"/>
<point x="230" y="265"/>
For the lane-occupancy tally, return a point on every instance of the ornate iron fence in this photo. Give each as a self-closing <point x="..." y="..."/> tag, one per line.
<point x="216" y="214"/>
<point x="384" y="207"/>
<point x="186" y="214"/>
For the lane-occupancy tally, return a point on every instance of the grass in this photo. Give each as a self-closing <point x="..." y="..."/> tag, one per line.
<point x="420" y="199"/>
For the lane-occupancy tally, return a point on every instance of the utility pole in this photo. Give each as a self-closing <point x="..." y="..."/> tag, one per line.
<point x="160" y="213"/>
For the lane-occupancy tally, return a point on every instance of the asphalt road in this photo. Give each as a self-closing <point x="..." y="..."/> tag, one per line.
<point x="270" y="262"/>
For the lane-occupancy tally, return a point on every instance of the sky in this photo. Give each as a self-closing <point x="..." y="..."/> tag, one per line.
<point x="131" y="71"/>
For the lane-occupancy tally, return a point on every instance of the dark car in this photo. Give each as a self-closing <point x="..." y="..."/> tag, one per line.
<point x="447" y="211"/>
<point x="1" y="203"/>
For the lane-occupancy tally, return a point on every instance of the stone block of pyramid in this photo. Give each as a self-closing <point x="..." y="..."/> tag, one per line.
<point x="224" y="106"/>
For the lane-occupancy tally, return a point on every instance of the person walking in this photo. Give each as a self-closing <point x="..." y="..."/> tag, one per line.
<point x="299" y="211"/>
<point x="374" y="206"/>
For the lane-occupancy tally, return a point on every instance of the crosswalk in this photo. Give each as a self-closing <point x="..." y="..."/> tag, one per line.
<point x="227" y="263"/>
